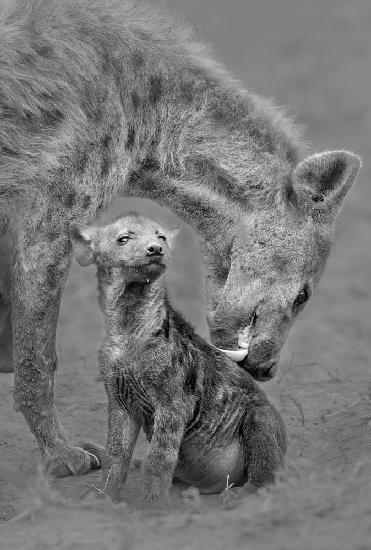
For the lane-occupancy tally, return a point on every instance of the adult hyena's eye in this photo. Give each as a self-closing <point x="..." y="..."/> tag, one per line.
<point x="302" y="297"/>
<point x="123" y="239"/>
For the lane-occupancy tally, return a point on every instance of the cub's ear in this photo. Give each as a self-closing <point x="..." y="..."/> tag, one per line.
<point x="81" y="238"/>
<point x="328" y="177"/>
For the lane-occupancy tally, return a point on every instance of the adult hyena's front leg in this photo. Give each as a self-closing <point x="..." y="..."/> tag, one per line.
<point x="42" y="260"/>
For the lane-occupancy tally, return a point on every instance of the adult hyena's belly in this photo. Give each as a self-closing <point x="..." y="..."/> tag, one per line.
<point x="209" y="468"/>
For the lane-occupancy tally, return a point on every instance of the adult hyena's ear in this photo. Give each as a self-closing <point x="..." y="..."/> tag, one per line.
<point x="326" y="178"/>
<point x="81" y="238"/>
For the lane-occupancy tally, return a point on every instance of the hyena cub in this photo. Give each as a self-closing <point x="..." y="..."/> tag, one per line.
<point x="205" y="417"/>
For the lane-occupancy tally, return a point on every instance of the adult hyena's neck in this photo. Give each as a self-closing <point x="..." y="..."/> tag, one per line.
<point x="132" y="311"/>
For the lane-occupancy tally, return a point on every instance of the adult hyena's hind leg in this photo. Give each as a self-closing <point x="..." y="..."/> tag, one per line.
<point x="264" y="436"/>
<point x="41" y="264"/>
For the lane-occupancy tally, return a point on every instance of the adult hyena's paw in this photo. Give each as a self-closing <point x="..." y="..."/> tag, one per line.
<point x="75" y="460"/>
<point x="97" y="451"/>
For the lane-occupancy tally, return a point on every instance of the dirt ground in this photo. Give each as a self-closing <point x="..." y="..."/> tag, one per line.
<point x="313" y="56"/>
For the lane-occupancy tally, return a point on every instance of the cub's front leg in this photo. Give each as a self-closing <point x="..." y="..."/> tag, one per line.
<point x="123" y="432"/>
<point x="160" y="461"/>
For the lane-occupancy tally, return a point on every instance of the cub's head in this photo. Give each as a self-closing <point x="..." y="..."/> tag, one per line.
<point x="138" y="246"/>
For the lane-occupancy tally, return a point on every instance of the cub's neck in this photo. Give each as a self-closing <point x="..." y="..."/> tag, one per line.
<point x="132" y="310"/>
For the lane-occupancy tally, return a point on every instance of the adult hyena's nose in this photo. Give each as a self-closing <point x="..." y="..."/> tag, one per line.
<point x="154" y="249"/>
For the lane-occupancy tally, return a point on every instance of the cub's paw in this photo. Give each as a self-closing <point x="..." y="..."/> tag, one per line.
<point x="157" y="500"/>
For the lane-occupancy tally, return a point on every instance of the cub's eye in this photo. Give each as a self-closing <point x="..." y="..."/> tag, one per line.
<point x="123" y="239"/>
<point x="162" y="237"/>
<point x="301" y="297"/>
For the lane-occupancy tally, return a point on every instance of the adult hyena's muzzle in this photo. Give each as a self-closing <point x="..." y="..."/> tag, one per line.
<point x="258" y="355"/>
<point x="262" y="359"/>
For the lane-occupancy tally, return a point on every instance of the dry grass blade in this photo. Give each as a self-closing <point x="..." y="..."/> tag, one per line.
<point x="340" y="411"/>
<point x="299" y="406"/>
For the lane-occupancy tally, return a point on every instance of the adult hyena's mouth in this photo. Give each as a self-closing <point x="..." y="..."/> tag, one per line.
<point x="243" y="342"/>
<point x="260" y="368"/>
<point x="262" y="371"/>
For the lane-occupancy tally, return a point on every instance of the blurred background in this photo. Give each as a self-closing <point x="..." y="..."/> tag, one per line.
<point x="314" y="57"/>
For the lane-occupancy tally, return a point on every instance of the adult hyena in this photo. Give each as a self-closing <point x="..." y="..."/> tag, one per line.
<point x="111" y="95"/>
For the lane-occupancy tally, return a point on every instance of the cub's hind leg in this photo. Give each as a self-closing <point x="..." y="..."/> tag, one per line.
<point x="264" y="437"/>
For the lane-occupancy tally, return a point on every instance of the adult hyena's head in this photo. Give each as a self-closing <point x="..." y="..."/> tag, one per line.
<point x="275" y="259"/>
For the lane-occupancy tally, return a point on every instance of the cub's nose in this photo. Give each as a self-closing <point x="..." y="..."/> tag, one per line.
<point x="154" y="249"/>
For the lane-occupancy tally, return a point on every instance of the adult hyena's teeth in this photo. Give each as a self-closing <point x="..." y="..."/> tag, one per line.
<point x="244" y="342"/>
<point x="235" y="355"/>
<point x="244" y="345"/>
<point x="244" y="337"/>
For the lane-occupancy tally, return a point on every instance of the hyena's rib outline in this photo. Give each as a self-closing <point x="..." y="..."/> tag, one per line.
<point x="115" y="96"/>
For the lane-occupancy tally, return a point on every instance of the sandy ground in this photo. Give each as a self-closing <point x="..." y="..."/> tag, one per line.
<point x="313" y="56"/>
